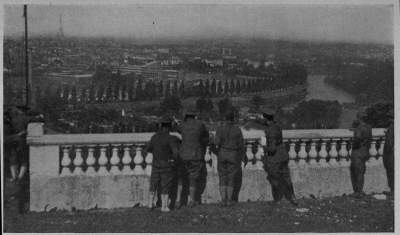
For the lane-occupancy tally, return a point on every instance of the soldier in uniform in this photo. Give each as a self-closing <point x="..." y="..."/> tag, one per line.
<point x="230" y="150"/>
<point x="165" y="151"/>
<point x="360" y="153"/>
<point x="388" y="153"/>
<point x="18" y="150"/>
<point x="195" y="138"/>
<point x="276" y="161"/>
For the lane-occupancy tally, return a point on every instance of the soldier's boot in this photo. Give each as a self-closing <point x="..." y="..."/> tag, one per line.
<point x="223" y="193"/>
<point x="150" y="202"/>
<point x="192" y="197"/>
<point x="229" y="192"/>
<point x="164" y="203"/>
<point x="289" y="193"/>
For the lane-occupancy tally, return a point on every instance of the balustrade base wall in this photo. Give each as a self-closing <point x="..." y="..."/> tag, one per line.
<point x="123" y="191"/>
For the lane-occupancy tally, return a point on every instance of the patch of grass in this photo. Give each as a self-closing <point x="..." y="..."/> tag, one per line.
<point x="338" y="214"/>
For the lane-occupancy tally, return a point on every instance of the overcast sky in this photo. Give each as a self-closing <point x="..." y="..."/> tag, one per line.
<point x="372" y="23"/>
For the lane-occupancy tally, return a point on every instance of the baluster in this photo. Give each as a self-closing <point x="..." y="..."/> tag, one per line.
<point x="207" y="159"/>
<point x="381" y="147"/>
<point x="149" y="162"/>
<point x="250" y="156"/>
<point x="372" y="152"/>
<point x="333" y="154"/>
<point x="313" y="153"/>
<point x="138" y="160"/>
<point x="126" y="160"/>
<point x="323" y="154"/>
<point x="380" y="151"/>
<point x="114" y="160"/>
<point x="292" y="154"/>
<point x="214" y="162"/>
<point x="259" y="155"/>
<point x="78" y="161"/>
<point x="343" y="153"/>
<point x="302" y="154"/>
<point x="103" y="160"/>
<point x="90" y="160"/>
<point x="65" y="162"/>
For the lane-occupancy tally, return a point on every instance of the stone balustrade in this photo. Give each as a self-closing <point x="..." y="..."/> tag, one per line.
<point x="112" y="170"/>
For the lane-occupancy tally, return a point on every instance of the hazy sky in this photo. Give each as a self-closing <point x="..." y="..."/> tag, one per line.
<point x="372" y="23"/>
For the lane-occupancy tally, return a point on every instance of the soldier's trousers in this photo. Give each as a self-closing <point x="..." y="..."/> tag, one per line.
<point x="229" y="165"/>
<point x="388" y="162"/>
<point x="357" y="169"/>
<point x="279" y="178"/>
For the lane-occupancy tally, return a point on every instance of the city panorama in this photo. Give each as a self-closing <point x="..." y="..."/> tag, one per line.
<point x="198" y="118"/>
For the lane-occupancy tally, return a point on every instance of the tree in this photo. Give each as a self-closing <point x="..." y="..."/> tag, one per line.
<point x="171" y="105"/>
<point x="207" y="92"/>
<point x="200" y="89"/>
<point x="182" y="89"/>
<point x="378" y="115"/>
<point x="109" y="93"/>
<point x="91" y="97"/>
<point x="232" y="87"/>
<point x="161" y="88"/>
<point x="224" y="106"/>
<point x="168" y="89"/>
<point x="213" y="87"/>
<point x="257" y="101"/>
<point x="226" y="87"/>
<point x="219" y="88"/>
<point x="130" y="93"/>
<point x="175" y="88"/>
<point x="139" y="90"/>
<point x="201" y="104"/>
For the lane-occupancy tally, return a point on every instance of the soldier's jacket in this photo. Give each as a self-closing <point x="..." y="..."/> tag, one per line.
<point x="362" y="136"/>
<point x="195" y="138"/>
<point x="164" y="148"/>
<point x="16" y="130"/>
<point x="275" y="151"/>
<point x="389" y="141"/>
<point x="229" y="139"/>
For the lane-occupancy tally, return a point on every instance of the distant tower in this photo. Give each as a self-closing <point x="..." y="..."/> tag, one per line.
<point x="60" y="30"/>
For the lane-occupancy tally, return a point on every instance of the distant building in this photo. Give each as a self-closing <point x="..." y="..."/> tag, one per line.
<point x="150" y="73"/>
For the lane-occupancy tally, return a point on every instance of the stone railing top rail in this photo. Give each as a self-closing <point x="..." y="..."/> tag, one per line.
<point x="36" y="136"/>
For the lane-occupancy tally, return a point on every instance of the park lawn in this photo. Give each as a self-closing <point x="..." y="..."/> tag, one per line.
<point x="337" y="214"/>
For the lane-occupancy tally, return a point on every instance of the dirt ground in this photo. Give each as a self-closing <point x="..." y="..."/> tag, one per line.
<point x="338" y="214"/>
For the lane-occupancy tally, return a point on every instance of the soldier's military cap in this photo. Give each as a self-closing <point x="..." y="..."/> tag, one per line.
<point x="191" y="112"/>
<point x="23" y="108"/>
<point x="361" y="114"/>
<point x="166" y="120"/>
<point x="268" y="113"/>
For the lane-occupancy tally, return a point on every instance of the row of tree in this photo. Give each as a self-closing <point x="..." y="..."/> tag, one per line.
<point x="141" y="90"/>
<point x="370" y="82"/>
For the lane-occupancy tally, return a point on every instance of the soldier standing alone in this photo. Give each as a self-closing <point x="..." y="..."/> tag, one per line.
<point x="388" y="154"/>
<point x="165" y="151"/>
<point x="276" y="161"/>
<point x="195" y="138"/>
<point x="231" y="151"/>
<point x="360" y="153"/>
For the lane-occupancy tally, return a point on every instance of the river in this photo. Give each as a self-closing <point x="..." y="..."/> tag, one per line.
<point x="318" y="89"/>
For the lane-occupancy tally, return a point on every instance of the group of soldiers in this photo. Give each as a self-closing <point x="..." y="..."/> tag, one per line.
<point x="175" y="159"/>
